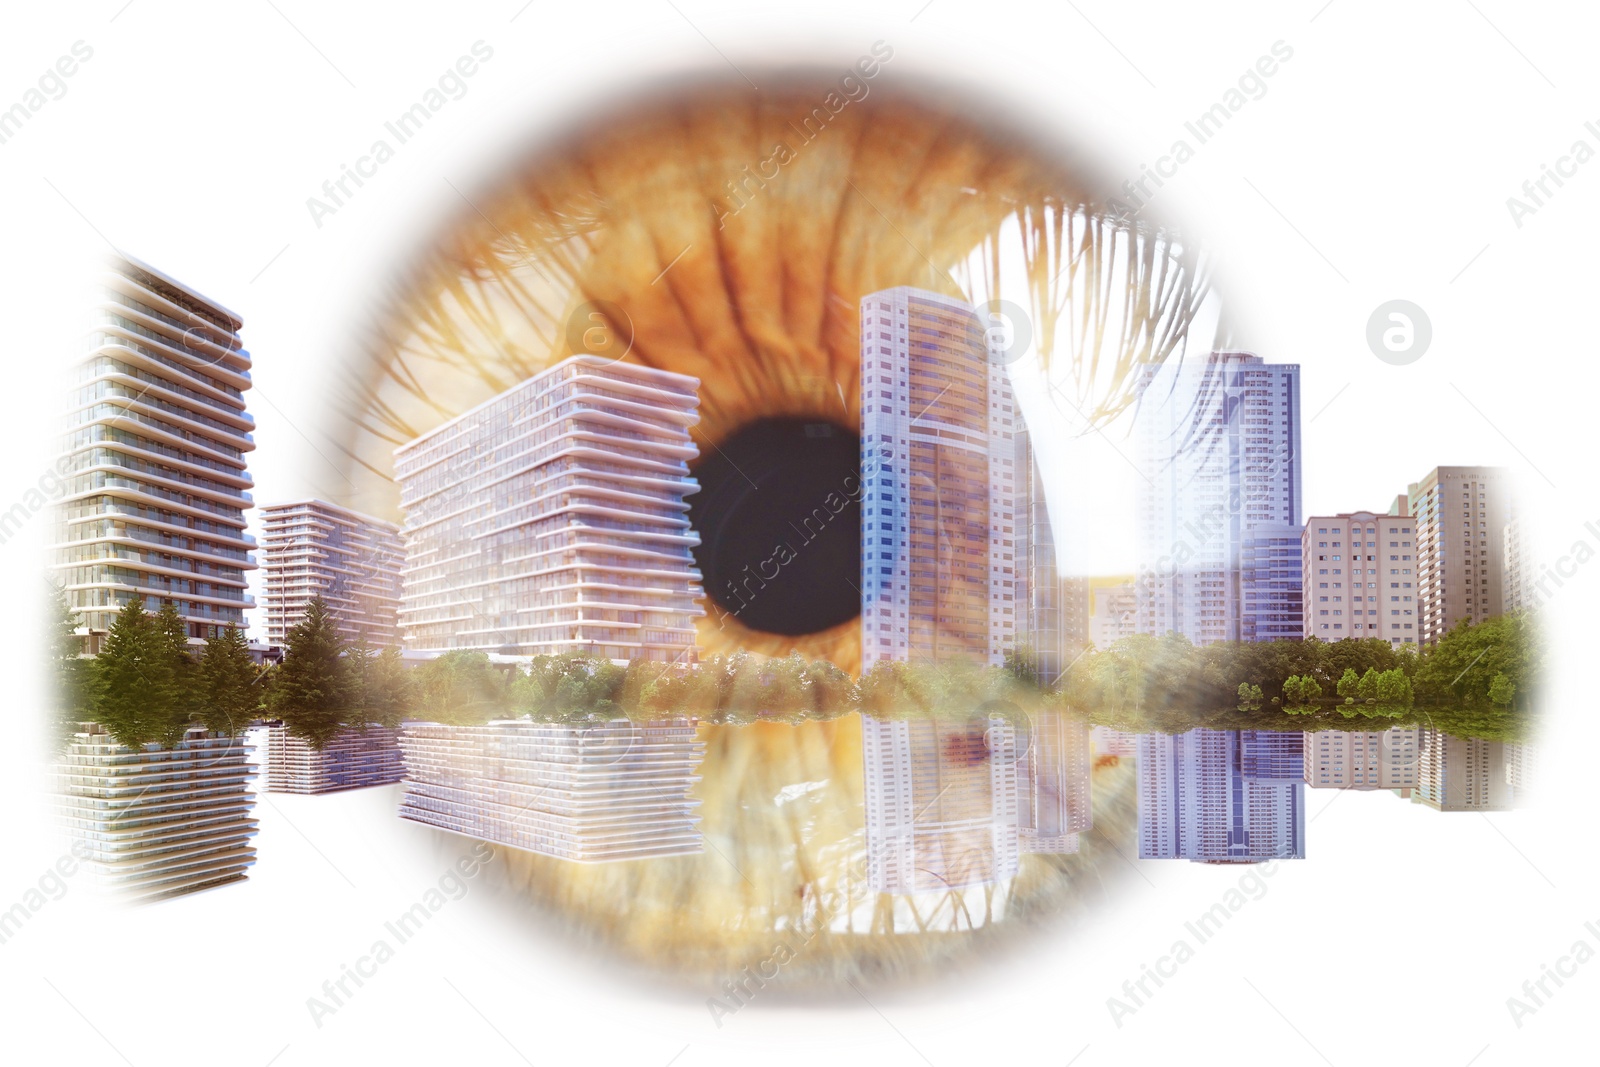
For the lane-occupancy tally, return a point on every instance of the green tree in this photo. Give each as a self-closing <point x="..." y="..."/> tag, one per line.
<point x="133" y="684"/>
<point x="71" y="674"/>
<point x="1249" y="694"/>
<point x="387" y="694"/>
<point x="313" y="692"/>
<point x="1502" y="690"/>
<point x="1367" y="688"/>
<point x="1393" y="687"/>
<point x="1349" y="683"/>
<point x="462" y="687"/>
<point x="230" y="697"/>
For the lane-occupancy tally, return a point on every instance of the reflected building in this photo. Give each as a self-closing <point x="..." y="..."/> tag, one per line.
<point x="1522" y="770"/>
<point x="1197" y="802"/>
<point x="591" y="794"/>
<point x="1461" y="773"/>
<point x="1119" y="743"/>
<point x="1053" y="801"/>
<point x="942" y="803"/>
<point x="1362" y="759"/>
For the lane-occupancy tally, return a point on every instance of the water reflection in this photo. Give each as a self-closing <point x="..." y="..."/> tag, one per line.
<point x="893" y="847"/>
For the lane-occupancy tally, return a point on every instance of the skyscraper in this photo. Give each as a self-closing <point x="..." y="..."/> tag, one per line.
<point x="1361" y="577"/>
<point x="311" y="548"/>
<point x="1197" y="802"/>
<point x="1460" y="518"/>
<point x="941" y="802"/>
<point x="938" y="470"/>
<point x="1519" y="589"/>
<point x="551" y="518"/>
<point x="1219" y="447"/>
<point x="156" y="447"/>
<point x="1271" y="581"/>
<point x="1044" y="599"/>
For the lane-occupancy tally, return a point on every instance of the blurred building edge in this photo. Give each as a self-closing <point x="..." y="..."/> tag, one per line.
<point x="551" y="518"/>
<point x="588" y="793"/>
<point x="1053" y="792"/>
<point x="157" y="822"/>
<point x="154" y="458"/>
<point x="353" y="561"/>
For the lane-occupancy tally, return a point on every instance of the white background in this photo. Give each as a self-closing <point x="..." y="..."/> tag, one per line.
<point x="1376" y="167"/>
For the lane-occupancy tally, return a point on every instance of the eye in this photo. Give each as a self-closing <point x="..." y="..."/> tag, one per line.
<point x="733" y="236"/>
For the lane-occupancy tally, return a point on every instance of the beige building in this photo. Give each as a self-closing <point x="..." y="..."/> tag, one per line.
<point x="1361" y="577"/>
<point x="353" y="561"/>
<point x="1346" y="759"/>
<point x="1461" y="515"/>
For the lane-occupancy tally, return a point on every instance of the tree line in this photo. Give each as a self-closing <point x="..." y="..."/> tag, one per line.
<point x="147" y="685"/>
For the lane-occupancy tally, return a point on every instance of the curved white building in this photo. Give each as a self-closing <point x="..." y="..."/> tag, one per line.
<point x="551" y="518"/>
<point x="156" y="441"/>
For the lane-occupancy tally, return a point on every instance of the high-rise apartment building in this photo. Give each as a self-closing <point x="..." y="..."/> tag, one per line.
<point x="1362" y="759"/>
<point x="1271" y="585"/>
<point x="1460" y="517"/>
<point x="1362" y="577"/>
<point x="1113" y="612"/>
<point x="1461" y="773"/>
<point x="1219" y="447"/>
<point x="551" y="518"/>
<point x="1051" y="607"/>
<point x="312" y="548"/>
<point x="941" y="803"/>
<point x="155" y="452"/>
<point x="1519" y="590"/>
<point x="1197" y="802"/>
<point x="939" y="526"/>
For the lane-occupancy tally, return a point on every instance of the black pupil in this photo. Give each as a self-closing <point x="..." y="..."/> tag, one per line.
<point x="779" y="519"/>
